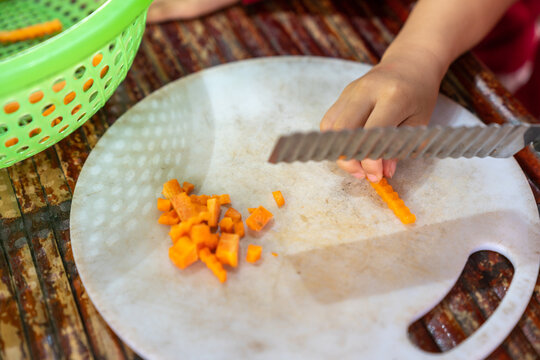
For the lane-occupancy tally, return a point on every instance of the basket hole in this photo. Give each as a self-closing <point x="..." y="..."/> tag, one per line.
<point x="3" y="129"/>
<point x="47" y="110"/>
<point x="11" y="142"/>
<point x="104" y="71"/>
<point x="75" y="109"/>
<point x="93" y="96"/>
<point x="56" y="121"/>
<point x="117" y="58"/>
<point x="22" y="149"/>
<point x="44" y="139"/>
<point x="63" y="128"/>
<point x="25" y="120"/>
<point x="111" y="47"/>
<point x="81" y="117"/>
<point x="108" y="83"/>
<point x="69" y="97"/>
<point x="79" y="73"/>
<point x="88" y="84"/>
<point x="97" y="59"/>
<point x="36" y="97"/>
<point x="59" y="85"/>
<point x="11" y="107"/>
<point x="34" y="132"/>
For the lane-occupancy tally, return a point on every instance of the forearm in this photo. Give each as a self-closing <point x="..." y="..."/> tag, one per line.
<point x="441" y="30"/>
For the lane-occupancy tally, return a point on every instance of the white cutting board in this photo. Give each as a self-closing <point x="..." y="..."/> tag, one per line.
<point x="349" y="278"/>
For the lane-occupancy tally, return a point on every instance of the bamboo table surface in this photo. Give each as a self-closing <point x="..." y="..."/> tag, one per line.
<point x="44" y="309"/>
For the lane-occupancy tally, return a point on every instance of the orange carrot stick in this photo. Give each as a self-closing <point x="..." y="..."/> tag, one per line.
<point x="213" y="264"/>
<point x="172" y="188"/>
<point x="214" y="210"/>
<point x="31" y="32"/>
<point x="393" y="201"/>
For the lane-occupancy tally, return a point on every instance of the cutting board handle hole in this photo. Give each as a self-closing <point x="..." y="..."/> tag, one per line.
<point x="473" y="298"/>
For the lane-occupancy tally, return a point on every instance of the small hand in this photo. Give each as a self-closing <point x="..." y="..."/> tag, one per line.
<point x="401" y="89"/>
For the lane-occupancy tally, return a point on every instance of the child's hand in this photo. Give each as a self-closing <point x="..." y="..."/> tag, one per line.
<point x="401" y="89"/>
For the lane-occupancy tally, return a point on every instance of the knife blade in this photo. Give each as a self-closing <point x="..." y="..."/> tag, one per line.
<point x="403" y="142"/>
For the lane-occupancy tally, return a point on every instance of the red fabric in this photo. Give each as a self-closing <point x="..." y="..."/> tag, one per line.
<point x="511" y="43"/>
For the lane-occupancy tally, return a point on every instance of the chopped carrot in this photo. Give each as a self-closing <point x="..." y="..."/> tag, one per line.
<point x="164" y="205"/>
<point x="239" y="229"/>
<point x="278" y="196"/>
<point x="253" y="253"/>
<point x="393" y="201"/>
<point x="183" y="253"/>
<point x="183" y="206"/>
<point x="274" y="254"/>
<point x="251" y="210"/>
<point x="169" y="218"/>
<point x="259" y="218"/>
<point x="213" y="264"/>
<point x="227" y="249"/>
<point x="214" y="210"/>
<point x="199" y="199"/>
<point x="226" y="225"/>
<point x="31" y="32"/>
<point x="185" y="227"/>
<point x="233" y="214"/>
<point x="224" y="199"/>
<point x="188" y="187"/>
<point x="203" y="237"/>
<point x="172" y="188"/>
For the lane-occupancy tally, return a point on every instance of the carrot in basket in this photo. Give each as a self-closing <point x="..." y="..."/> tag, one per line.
<point x="233" y="214"/>
<point x="169" y="218"/>
<point x="227" y="249"/>
<point x="226" y="225"/>
<point x="253" y="253"/>
<point x="278" y="197"/>
<point x="31" y="32"/>
<point x="259" y="218"/>
<point x="393" y="201"/>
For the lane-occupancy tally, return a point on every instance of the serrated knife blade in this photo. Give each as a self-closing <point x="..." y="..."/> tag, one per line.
<point x="403" y="142"/>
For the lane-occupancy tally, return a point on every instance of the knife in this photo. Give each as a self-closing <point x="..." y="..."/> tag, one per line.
<point x="402" y="142"/>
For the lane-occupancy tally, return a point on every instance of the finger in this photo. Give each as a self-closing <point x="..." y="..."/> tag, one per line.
<point x="351" y="166"/>
<point x="353" y="114"/>
<point x="328" y="120"/>
<point x="389" y="167"/>
<point x="373" y="169"/>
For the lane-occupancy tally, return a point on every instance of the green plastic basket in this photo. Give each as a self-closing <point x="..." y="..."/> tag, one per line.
<point x="51" y="86"/>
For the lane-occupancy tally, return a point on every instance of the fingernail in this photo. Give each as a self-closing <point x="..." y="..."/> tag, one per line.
<point x="359" y="175"/>
<point x="372" y="178"/>
<point x="392" y="170"/>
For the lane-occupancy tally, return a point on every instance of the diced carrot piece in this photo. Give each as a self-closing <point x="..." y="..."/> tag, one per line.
<point x="199" y="199"/>
<point x="184" y="227"/>
<point x="214" y="210"/>
<point x="227" y="249"/>
<point x="169" y="218"/>
<point x="183" y="253"/>
<point x="253" y="253"/>
<point x="233" y="214"/>
<point x="251" y="210"/>
<point x="183" y="206"/>
<point x="213" y="264"/>
<point x="203" y="237"/>
<point x="164" y="205"/>
<point x="226" y="225"/>
<point x="274" y="254"/>
<point x="224" y="199"/>
<point x="259" y="218"/>
<point x="172" y="188"/>
<point x="188" y="187"/>
<point x="239" y="229"/>
<point x="278" y="197"/>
